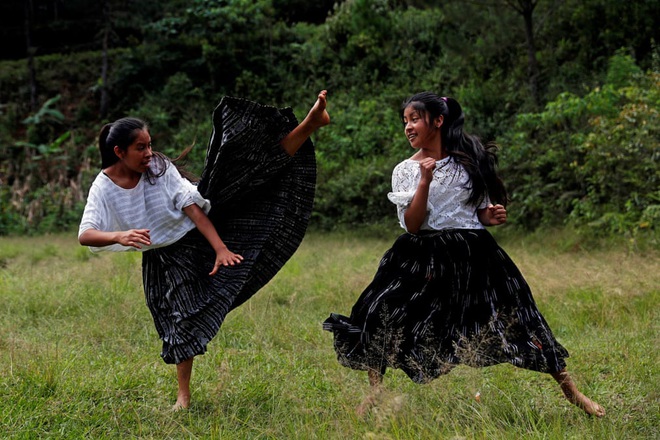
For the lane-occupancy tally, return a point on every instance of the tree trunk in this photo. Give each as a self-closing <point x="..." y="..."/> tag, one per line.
<point x="526" y="9"/>
<point x="103" y="111"/>
<point x="532" y="62"/>
<point x="32" y="74"/>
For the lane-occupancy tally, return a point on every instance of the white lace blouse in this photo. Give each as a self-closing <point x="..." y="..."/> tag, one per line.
<point x="157" y="207"/>
<point x="447" y="205"/>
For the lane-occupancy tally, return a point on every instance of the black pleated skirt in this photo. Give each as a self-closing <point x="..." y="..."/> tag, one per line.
<point x="261" y="204"/>
<point x="442" y="299"/>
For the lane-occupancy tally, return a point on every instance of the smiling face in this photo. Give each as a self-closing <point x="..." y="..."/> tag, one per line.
<point x="138" y="154"/>
<point x="420" y="131"/>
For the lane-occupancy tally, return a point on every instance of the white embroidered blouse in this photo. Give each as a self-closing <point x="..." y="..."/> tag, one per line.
<point x="449" y="191"/>
<point x="157" y="207"/>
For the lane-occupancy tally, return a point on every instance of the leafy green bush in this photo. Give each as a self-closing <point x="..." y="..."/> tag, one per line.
<point x="588" y="158"/>
<point x="591" y="161"/>
<point x="356" y="155"/>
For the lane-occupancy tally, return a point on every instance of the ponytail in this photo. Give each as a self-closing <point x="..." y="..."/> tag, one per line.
<point x="108" y="156"/>
<point x="123" y="133"/>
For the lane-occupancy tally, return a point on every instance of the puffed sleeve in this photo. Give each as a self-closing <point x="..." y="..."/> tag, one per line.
<point x="97" y="216"/>
<point x="405" y="179"/>
<point x="182" y="192"/>
<point x="95" y="213"/>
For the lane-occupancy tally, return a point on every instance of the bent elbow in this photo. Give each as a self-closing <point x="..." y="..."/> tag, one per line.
<point x="84" y="239"/>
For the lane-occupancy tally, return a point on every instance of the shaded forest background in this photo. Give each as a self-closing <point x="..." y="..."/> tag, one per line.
<point x="570" y="91"/>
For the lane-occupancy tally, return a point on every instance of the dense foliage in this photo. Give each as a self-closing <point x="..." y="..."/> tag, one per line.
<point x="592" y="160"/>
<point x="577" y="121"/>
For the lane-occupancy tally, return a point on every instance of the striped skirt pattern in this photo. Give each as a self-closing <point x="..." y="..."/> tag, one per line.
<point x="441" y="299"/>
<point x="261" y="204"/>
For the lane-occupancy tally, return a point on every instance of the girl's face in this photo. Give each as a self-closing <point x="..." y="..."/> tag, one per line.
<point x="138" y="155"/>
<point x="421" y="132"/>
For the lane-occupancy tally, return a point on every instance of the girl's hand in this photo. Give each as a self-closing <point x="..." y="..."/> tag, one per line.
<point x="134" y="238"/>
<point x="493" y="215"/>
<point x="426" y="168"/>
<point x="225" y="257"/>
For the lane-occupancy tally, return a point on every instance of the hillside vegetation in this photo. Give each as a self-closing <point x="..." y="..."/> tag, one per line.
<point x="568" y="89"/>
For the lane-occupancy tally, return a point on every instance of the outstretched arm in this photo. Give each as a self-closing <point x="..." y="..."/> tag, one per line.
<point x="134" y="238"/>
<point x="493" y="215"/>
<point x="223" y="256"/>
<point x="316" y="118"/>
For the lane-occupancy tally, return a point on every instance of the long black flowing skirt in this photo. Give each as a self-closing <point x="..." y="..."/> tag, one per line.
<point x="442" y="299"/>
<point x="261" y="204"/>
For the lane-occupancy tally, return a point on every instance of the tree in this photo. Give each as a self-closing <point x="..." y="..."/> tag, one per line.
<point x="526" y="9"/>
<point x="32" y="75"/>
<point x="107" y="28"/>
<point x="590" y="160"/>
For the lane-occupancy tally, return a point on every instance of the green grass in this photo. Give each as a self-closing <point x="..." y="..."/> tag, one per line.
<point x="79" y="352"/>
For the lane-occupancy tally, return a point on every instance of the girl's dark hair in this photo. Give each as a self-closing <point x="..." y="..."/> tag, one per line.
<point x="479" y="161"/>
<point x="123" y="133"/>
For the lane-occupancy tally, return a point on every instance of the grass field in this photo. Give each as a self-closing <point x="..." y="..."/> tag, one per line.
<point x="80" y="355"/>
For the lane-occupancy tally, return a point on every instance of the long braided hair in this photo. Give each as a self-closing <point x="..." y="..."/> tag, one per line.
<point x="479" y="161"/>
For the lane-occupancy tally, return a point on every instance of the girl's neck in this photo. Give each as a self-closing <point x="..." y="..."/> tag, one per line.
<point x="435" y="153"/>
<point x="122" y="176"/>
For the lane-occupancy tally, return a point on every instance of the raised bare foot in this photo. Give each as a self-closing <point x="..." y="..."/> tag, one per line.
<point x="316" y="118"/>
<point x="318" y="115"/>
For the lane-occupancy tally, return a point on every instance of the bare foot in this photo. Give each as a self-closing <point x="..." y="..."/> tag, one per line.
<point x="316" y="118"/>
<point x="365" y="406"/>
<point x="318" y="115"/>
<point x="375" y="382"/>
<point x="589" y="406"/>
<point x="183" y="373"/>
<point x="574" y="396"/>
<point x="182" y="402"/>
